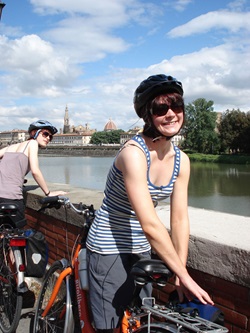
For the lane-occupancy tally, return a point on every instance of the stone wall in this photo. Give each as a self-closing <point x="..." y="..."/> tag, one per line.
<point x="221" y="268"/>
<point x="92" y="151"/>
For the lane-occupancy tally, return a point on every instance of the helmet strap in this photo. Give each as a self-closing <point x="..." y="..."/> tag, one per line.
<point x="162" y="136"/>
<point x="152" y="132"/>
<point x="37" y="133"/>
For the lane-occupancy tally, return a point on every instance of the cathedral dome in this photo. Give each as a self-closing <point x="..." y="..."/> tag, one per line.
<point x="110" y="126"/>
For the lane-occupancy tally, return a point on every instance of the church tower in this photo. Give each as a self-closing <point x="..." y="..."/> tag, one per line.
<point x="66" y="126"/>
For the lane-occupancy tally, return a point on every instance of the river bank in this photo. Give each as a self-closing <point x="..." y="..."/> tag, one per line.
<point x="224" y="158"/>
<point x="91" y="151"/>
<point x="111" y="150"/>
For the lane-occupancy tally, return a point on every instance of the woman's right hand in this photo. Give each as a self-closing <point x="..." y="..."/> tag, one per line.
<point x="188" y="287"/>
<point x="55" y="193"/>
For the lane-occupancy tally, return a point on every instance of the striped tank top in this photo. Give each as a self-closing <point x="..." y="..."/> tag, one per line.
<point x="116" y="228"/>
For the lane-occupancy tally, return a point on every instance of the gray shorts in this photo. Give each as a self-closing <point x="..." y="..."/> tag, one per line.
<point x="111" y="286"/>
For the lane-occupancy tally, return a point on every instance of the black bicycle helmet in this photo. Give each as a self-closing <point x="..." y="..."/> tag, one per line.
<point x="153" y="86"/>
<point x="42" y="124"/>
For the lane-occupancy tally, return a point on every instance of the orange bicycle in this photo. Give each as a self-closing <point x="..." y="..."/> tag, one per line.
<point x="62" y="305"/>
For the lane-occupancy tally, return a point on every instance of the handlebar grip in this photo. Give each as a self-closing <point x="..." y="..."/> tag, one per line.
<point x="49" y="199"/>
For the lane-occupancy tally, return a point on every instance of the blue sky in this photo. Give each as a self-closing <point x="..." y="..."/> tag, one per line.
<point x="91" y="56"/>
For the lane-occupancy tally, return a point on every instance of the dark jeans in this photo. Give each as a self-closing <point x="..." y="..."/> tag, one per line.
<point x="19" y="220"/>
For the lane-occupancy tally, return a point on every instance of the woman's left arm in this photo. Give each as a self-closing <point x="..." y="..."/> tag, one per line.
<point x="179" y="220"/>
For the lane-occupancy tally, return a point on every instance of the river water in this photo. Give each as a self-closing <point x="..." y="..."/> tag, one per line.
<point x="218" y="187"/>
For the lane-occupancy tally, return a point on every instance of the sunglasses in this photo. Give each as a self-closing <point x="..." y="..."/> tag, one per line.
<point x="162" y="109"/>
<point x="47" y="134"/>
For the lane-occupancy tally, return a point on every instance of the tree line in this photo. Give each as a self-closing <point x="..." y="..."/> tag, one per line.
<point x="204" y="130"/>
<point x="209" y="132"/>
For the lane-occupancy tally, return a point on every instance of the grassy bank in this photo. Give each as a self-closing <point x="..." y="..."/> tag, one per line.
<point x="227" y="159"/>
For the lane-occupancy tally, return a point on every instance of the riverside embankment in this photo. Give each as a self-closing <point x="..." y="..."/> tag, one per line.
<point x="111" y="150"/>
<point x="92" y="151"/>
<point x="219" y="249"/>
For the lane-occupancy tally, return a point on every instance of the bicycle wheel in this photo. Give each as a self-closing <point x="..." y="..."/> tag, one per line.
<point x="10" y="300"/>
<point x="54" y="321"/>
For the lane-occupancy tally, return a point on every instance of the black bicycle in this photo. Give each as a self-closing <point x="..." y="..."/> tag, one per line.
<point x="12" y="270"/>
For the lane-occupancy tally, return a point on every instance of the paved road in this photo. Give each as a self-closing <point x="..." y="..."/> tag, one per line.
<point x="25" y="321"/>
<point x="27" y="315"/>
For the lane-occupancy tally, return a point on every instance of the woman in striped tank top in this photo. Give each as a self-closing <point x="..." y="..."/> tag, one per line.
<point x="148" y="168"/>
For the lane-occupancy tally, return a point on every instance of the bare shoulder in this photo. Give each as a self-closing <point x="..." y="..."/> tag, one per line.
<point x="12" y="148"/>
<point x="184" y="164"/>
<point x="32" y="143"/>
<point x="32" y="149"/>
<point x="131" y="153"/>
<point x="184" y="157"/>
<point x="131" y="148"/>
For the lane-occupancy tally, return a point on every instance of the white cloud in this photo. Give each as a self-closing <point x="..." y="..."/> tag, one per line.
<point x="84" y="41"/>
<point x="33" y="67"/>
<point x="43" y="72"/>
<point x="231" y="21"/>
<point x="180" y="5"/>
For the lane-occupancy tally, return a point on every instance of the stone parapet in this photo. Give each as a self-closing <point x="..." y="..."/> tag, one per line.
<point x="219" y="249"/>
<point x="219" y="242"/>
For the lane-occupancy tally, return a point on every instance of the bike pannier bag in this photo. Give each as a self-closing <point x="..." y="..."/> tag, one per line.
<point x="36" y="254"/>
<point x="195" y="307"/>
<point x="206" y="311"/>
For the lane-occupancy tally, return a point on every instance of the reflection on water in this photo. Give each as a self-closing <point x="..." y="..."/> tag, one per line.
<point x="219" y="179"/>
<point x="219" y="187"/>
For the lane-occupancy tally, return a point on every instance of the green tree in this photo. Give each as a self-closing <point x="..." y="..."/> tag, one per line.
<point x="246" y="135"/>
<point x="234" y="130"/>
<point x="106" y="137"/>
<point x="199" y="129"/>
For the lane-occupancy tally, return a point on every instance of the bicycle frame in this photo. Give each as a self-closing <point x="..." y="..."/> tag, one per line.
<point x="81" y="296"/>
<point x="82" y="301"/>
<point x="21" y="285"/>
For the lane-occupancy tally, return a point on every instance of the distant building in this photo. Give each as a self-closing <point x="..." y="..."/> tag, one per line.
<point x="110" y="126"/>
<point x="128" y="135"/>
<point x="73" y="135"/>
<point x="14" y="136"/>
<point x="124" y="137"/>
<point x="71" y="139"/>
<point x="66" y="126"/>
<point x="80" y="129"/>
<point x="177" y="139"/>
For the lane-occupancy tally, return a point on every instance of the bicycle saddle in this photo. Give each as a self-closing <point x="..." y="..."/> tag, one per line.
<point x="149" y="271"/>
<point x="8" y="209"/>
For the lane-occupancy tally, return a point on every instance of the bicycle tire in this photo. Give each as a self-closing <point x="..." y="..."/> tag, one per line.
<point x="54" y="321"/>
<point x="11" y="300"/>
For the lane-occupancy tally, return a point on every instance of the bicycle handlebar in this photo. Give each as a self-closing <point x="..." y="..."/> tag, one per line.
<point x="49" y="200"/>
<point x="59" y="200"/>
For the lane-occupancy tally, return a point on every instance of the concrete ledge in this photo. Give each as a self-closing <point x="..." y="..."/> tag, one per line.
<point x="219" y="243"/>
